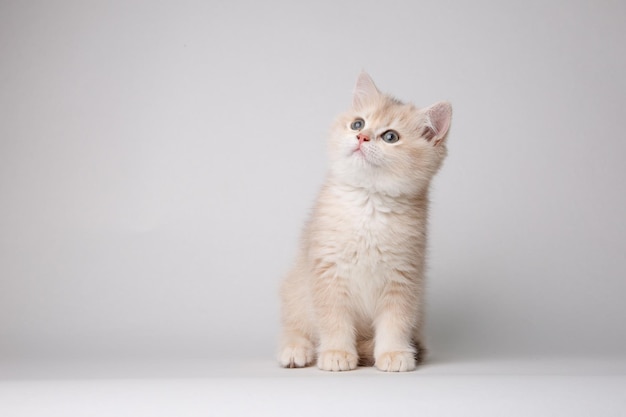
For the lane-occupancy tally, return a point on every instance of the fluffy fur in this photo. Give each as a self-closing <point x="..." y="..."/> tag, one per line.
<point x="355" y="293"/>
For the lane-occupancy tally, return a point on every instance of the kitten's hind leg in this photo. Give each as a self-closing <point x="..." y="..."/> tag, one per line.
<point x="297" y="347"/>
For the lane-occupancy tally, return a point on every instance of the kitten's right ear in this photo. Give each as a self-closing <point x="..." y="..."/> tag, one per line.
<point x="437" y="122"/>
<point x="365" y="91"/>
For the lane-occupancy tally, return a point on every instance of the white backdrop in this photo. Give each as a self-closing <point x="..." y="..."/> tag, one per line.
<point x="157" y="160"/>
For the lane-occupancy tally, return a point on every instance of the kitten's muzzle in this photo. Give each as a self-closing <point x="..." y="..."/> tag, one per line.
<point x="362" y="138"/>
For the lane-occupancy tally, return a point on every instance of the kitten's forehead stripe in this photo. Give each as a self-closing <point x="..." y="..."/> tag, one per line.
<point x="393" y="113"/>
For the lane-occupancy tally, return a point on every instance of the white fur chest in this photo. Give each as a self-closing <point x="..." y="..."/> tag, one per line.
<point x="365" y="229"/>
<point x="361" y="232"/>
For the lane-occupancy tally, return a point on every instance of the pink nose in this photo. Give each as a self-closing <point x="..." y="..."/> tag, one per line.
<point x="362" y="138"/>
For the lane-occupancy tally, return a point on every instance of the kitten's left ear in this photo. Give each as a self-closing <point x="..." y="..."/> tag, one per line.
<point x="437" y="122"/>
<point x="365" y="91"/>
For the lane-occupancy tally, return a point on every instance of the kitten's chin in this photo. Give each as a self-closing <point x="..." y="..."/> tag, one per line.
<point x="359" y="155"/>
<point x="361" y="158"/>
<point x="356" y="171"/>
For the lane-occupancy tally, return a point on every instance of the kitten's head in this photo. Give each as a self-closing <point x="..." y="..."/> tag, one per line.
<point x="388" y="146"/>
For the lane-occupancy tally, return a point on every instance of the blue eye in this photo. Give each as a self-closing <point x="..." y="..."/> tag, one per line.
<point x="390" y="136"/>
<point x="357" y="124"/>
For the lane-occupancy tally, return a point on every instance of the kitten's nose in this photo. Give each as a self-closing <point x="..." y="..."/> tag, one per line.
<point x="362" y="138"/>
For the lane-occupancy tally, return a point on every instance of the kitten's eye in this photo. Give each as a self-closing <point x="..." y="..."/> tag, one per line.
<point x="390" y="136"/>
<point x="357" y="124"/>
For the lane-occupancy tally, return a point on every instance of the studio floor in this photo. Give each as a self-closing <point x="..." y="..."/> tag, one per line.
<point x="247" y="387"/>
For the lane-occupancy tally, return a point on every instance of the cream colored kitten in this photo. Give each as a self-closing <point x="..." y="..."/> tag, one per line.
<point x="355" y="294"/>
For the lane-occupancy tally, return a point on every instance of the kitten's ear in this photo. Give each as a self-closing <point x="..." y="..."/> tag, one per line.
<point x="365" y="91"/>
<point x="437" y="122"/>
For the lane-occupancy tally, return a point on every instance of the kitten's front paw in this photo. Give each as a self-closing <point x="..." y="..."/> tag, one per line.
<point x="296" y="356"/>
<point x="396" y="361"/>
<point x="337" y="360"/>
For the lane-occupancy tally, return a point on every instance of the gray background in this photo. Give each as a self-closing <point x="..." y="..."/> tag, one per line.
<point x="157" y="160"/>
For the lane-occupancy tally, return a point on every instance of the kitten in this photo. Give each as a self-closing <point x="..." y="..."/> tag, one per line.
<point x="355" y="294"/>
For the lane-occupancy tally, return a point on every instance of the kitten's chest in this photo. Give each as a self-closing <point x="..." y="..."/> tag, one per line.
<point x="367" y="254"/>
<point x="367" y="229"/>
<point x="368" y="240"/>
